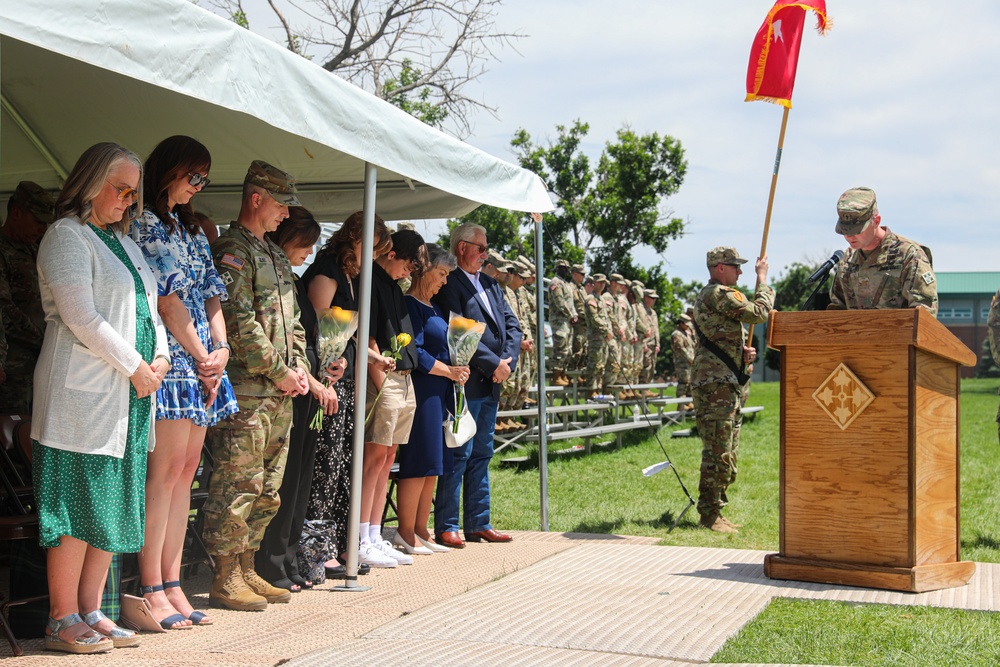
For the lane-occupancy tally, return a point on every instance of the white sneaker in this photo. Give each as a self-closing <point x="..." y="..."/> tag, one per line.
<point x="386" y="548"/>
<point x="371" y="554"/>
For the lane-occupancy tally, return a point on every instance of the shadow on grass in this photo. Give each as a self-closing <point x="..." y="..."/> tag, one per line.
<point x="665" y="520"/>
<point x="982" y="542"/>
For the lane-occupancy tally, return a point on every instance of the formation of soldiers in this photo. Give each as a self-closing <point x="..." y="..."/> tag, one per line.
<point x="604" y="330"/>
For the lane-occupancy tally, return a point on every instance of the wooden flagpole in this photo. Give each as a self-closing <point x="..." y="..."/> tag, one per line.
<point x="770" y="198"/>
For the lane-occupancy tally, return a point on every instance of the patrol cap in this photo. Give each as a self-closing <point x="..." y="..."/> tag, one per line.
<point x="724" y="255"/>
<point x="578" y="268"/>
<point x="405" y="224"/>
<point x="279" y="184"/>
<point x="494" y="258"/>
<point x="36" y="200"/>
<point x="638" y="283"/>
<point x="855" y="209"/>
<point x="527" y="263"/>
<point x="600" y="278"/>
<point x="618" y="278"/>
<point x="562" y="263"/>
<point x="651" y="294"/>
<point x="683" y="317"/>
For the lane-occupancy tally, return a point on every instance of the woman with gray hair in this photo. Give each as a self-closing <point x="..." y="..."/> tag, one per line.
<point x="421" y="459"/>
<point x="103" y="357"/>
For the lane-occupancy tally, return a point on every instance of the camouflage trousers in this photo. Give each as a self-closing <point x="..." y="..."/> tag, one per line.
<point x="683" y="381"/>
<point x="625" y="352"/>
<point x="249" y="449"/>
<point x="648" y="363"/>
<point x="612" y="367"/>
<point x="719" y="412"/>
<point x="637" y="361"/>
<point x="580" y="346"/>
<point x="562" y="346"/>
<point x="597" y="359"/>
<point x="526" y="365"/>
<point x="508" y="390"/>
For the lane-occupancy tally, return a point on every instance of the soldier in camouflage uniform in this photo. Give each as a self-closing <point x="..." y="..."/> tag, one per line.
<point x="683" y="347"/>
<point x="652" y="347"/>
<point x="643" y="330"/>
<point x="599" y="332"/>
<point x="619" y="313"/>
<point x="510" y="281"/>
<point x="562" y="317"/>
<point x="529" y="363"/>
<point x="580" y="326"/>
<point x="267" y="368"/>
<point x="30" y="211"/>
<point x="720" y="379"/>
<point x="993" y="327"/>
<point x="881" y="269"/>
<point x="612" y="364"/>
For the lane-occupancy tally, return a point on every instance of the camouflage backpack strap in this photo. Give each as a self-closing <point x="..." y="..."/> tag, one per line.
<point x="739" y="372"/>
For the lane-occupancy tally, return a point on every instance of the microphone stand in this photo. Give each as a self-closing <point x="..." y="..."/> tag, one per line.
<point x="812" y="295"/>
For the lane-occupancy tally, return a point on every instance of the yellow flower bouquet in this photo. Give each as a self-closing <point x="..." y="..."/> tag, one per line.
<point x="463" y="339"/>
<point x="336" y="326"/>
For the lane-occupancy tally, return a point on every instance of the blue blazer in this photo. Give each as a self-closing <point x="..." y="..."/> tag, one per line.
<point x="502" y="337"/>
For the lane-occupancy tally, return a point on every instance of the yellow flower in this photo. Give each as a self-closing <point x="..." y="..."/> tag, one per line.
<point x="340" y="315"/>
<point x="403" y="339"/>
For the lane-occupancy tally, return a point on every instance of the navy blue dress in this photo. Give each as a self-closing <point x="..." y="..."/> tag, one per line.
<point x="422" y="456"/>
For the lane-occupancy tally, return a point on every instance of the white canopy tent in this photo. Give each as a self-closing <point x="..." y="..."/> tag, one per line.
<point x="76" y="72"/>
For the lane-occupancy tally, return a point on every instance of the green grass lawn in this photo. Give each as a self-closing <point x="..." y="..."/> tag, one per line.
<point x="606" y="492"/>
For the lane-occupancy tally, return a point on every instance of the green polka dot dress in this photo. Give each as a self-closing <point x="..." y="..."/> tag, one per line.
<point x="95" y="498"/>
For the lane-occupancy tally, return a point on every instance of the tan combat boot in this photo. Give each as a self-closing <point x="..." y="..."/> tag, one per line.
<point x="561" y="380"/>
<point x="228" y="588"/>
<point x="258" y="585"/>
<point x="716" y="523"/>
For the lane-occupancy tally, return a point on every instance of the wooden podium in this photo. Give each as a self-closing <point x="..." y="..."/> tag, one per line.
<point x="869" y="449"/>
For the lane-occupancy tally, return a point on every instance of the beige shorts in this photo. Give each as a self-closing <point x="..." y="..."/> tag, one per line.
<point x="393" y="417"/>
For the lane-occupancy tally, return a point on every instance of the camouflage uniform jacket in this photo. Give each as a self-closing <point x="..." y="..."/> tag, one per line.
<point x="528" y="315"/>
<point x="561" y="301"/>
<point x="598" y="319"/>
<point x="993" y="329"/>
<point x="579" y="302"/>
<point x="626" y="316"/>
<point x="20" y="299"/>
<point x="719" y="312"/>
<point x="643" y="325"/>
<point x="610" y="305"/>
<point x="683" y="348"/>
<point x="262" y="314"/>
<point x="894" y="275"/>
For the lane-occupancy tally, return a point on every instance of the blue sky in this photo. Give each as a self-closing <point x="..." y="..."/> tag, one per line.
<point x="901" y="97"/>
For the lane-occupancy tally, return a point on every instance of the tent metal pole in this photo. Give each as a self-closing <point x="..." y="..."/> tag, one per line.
<point x="543" y="427"/>
<point x="361" y="380"/>
<point x="35" y="140"/>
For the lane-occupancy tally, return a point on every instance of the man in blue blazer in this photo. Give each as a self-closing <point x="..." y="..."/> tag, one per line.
<point x="472" y="294"/>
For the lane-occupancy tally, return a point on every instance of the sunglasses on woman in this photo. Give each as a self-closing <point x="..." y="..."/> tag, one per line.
<point x="126" y="193"/>
<point x="197" y="179"/>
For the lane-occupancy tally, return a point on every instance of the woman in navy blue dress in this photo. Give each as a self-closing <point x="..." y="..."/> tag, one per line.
<point x="421" y="459"/>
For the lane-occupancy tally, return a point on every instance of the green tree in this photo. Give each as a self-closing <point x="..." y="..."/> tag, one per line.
<point x="792" y="288"/>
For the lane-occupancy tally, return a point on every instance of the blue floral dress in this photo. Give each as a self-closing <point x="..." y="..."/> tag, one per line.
<point x="182" y="263"/>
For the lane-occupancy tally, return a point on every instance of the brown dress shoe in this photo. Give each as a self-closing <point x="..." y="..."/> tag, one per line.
<point x="488" y="535"/>
<point x="449" y="539"/>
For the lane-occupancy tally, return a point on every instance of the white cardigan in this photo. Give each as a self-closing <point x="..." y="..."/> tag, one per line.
<point x="88" y="354"/>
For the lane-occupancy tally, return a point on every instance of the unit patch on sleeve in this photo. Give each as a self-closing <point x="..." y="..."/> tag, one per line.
<point x="232" y="261"/>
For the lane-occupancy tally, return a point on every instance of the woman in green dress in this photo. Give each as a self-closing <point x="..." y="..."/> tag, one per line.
<point x="103" y="357"/>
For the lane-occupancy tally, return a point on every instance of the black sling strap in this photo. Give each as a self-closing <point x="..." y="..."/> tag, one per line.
<point x="741" y="376"/>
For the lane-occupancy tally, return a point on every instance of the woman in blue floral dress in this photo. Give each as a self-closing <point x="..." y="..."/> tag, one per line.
<point x="196" y="393"/>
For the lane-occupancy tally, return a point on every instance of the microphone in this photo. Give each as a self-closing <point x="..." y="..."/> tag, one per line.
<point x="821" y="272"/>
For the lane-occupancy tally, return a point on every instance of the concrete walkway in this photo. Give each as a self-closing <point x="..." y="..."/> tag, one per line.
<point x="544" y="599"/>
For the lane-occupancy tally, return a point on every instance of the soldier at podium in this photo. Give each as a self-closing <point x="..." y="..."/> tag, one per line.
<point x="881" y="269"/>
<point x="720" y="374"/>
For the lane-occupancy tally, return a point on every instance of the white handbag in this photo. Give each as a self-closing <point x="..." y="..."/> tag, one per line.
<point x="466" y="428"/>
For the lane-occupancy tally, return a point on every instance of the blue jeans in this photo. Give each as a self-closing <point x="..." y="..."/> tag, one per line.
<point x="468" y="475"/>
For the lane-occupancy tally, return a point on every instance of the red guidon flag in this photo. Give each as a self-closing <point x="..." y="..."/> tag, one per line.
<point x="775" y="51"/>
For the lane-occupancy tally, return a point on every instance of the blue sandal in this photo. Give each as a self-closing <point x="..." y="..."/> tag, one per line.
<point x="196" y="617"/>
<point x="168" y="622"/>
<point x="89" y="642"/>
